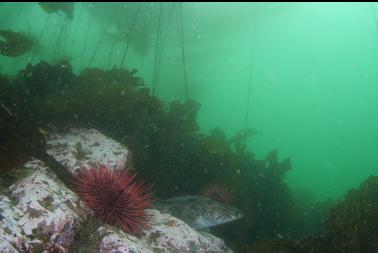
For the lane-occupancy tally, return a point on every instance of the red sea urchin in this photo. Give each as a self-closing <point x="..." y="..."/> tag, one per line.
<point x="115" y="197"/>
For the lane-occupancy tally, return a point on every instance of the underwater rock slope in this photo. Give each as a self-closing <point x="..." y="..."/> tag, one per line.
<point x="81" y="147"/>
<point x="39" y="213"/>
<point x="351" y="227"/>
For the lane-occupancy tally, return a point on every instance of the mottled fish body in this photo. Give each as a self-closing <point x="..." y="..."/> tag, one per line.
<point x="199" y="212"/>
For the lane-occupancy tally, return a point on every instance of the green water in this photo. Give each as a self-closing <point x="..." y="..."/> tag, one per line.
<point x="302" y="74"/>
<point x="314" y="92"/>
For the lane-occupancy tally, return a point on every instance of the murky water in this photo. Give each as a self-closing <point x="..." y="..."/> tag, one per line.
<point x="269" y="107"/>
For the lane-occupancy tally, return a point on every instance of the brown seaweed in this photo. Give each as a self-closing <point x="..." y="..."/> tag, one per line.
<point x="51" y="7"/>
<point x="13" y="44"/>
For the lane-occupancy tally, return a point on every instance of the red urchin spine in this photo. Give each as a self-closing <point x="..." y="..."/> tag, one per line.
<point x="115" y="196"/>
<point x="218" y="192"/>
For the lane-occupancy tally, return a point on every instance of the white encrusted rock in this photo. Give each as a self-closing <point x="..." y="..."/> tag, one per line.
<point x="41" y="214"/>
<point x="114" y="240"/>
<point x="39" y="211"/>
<point x="166" y="234"/>
<point x="83" y="147"/>
<point x="11" y="234"/>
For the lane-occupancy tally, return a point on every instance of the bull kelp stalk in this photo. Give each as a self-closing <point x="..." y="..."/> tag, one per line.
<point x="181" y="37"/>
<point x="40" y="36"/>
<point x="250" y="81"/>
<point x="101" y="39"/>
<point x="65" y="35"/>
<point x="73" y="41"/>
<point x="374" y="15"/>
<point x="61" y="40"/>
<point x="164" y="34"/>
<point x="156" y="67"/>
<point x="59" y="20"/>
<point x="114" y="37"/>
<point x="85" y="42"/>
<point x="131" y="34"/>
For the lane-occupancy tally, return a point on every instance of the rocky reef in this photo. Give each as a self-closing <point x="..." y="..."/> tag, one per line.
<point x="353" y="224"/>
<point x="351" y="227"/>
<point x="168" y="147"/>
<point x="40" y="214"/>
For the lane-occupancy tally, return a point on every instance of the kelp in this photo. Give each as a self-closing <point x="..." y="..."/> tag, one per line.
<point x="168" y="147"/>
<point x="13" y="44"/>
<point x="51" y="7"/>
<point x="352" y="226"/>
<point x="19" y="136"/>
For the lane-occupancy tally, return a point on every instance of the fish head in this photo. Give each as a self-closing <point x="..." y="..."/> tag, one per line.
<point x="199" y="212"/>
<point x="215" y="214"/>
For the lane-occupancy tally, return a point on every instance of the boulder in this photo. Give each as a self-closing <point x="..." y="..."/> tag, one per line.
<point x="81" y="147"/>
<point x="166" y="234"/>
<point x="38" y="213"/>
